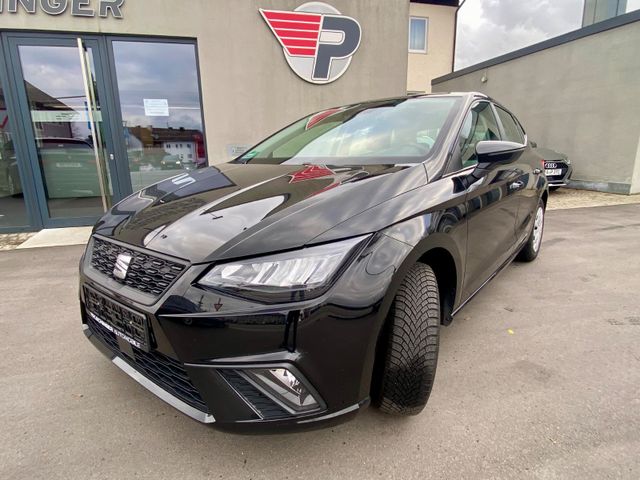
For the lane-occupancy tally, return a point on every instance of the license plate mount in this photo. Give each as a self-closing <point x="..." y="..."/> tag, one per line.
<point x="123" y="322"/>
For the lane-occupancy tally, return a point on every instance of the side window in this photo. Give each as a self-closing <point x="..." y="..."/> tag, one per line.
<point x="511" y="131"/>
<point x="480" y="124"/>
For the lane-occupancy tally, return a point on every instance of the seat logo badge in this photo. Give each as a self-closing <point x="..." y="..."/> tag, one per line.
<point x="317" y="40"/>
<point x="122" y="266"/>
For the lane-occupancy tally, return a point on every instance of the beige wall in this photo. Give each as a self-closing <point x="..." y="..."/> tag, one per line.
<point x="248" y="89"/>
<point x="423" y="67"/>
<point x="580" y="98"/>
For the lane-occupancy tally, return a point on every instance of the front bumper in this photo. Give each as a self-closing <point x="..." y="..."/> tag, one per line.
<point x="201" y="342"/>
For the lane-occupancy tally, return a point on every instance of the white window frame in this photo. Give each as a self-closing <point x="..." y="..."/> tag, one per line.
<point x="426" y="35"/>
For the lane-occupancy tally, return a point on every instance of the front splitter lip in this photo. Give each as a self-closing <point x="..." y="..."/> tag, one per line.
<point x="175" y="402"/>
<point x="154" y="388"/>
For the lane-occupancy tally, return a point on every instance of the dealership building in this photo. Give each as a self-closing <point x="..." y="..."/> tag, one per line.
<point x="99" y="98"/>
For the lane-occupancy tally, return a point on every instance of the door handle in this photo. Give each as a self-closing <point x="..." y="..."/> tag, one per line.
<point x="517" y="185"/>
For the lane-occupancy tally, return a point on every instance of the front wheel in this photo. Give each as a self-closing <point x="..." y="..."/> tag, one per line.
<point x="531" y="249"/>
<point x="411" y="354"/>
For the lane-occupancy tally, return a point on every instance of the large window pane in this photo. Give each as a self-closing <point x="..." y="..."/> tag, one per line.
<point x="161" y="110"/>
<point x="59" y="111"/>
<point x="13" y="212"/>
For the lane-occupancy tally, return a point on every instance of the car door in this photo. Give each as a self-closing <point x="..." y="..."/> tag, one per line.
<point x="490" y="202"/>
<point x="527" y="169"/>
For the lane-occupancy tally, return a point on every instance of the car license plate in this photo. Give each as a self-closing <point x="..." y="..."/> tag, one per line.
<point x="123" y="322"/>
<point x="554" y="172"/>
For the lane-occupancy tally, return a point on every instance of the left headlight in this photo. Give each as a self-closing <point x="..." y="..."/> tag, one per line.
<point x="306" y="271"/>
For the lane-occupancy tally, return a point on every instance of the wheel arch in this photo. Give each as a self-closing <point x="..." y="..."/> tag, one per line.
<point x="444" y="267"/>
<point x="446" y="263"/>
<point x="443" y="254"/>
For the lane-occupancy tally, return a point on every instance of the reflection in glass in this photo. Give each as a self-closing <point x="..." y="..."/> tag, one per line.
<point x="161" y="111"/>
<point x="13" y="212"/>
<point x="59" y="114"/>
<point x="389" y="131"/>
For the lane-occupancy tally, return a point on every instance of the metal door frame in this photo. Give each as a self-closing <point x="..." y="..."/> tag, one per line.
<point x="24" y="168"/>
<point x="100" y="58"/>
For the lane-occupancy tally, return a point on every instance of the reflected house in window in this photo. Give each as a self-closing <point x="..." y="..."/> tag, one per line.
<point x="165" y="148"/>
<point x="65" y="150"/>
<point x="45" y="110"/>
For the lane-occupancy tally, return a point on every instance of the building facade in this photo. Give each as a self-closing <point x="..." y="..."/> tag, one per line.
<point x="99" y="98"/>
<point x="432" y="33"/>
<point x="577" y="94"/>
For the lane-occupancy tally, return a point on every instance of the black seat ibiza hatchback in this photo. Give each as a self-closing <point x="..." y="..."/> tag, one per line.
<point x="309" y="277"/>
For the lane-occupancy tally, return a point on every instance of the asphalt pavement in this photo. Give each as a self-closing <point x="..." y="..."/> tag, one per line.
<point x="539" y="377"/>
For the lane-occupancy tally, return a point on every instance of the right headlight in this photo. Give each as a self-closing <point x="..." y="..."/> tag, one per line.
<point x="298" y="274"/>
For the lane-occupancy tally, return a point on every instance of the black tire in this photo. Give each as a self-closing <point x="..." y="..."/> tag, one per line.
<point x="553" y="189"/>
<point x="531" y="249"/>
<point x="411" y="354"/>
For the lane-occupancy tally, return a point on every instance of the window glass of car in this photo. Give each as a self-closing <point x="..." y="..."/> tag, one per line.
<point x="480" y="124"/>
<point x="391" y="132"/>
<point x="511" y="131"/>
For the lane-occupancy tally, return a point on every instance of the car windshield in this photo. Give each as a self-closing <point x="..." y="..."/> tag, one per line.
<point x="391" y="131"/>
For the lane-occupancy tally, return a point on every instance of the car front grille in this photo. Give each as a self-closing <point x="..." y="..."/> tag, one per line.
<point x="162" y="370"/>
<point x="147" y="273"/>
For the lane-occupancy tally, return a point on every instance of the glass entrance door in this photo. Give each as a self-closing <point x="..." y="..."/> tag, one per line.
<point x="68" y="130"/>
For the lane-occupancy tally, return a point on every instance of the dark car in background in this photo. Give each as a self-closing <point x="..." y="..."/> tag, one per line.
<point x="69" y="167"/>
<point x="557" y="167"/>
<point x="293" y="286"/>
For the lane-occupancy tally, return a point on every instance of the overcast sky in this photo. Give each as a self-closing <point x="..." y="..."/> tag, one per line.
<point x="488" y="28"/>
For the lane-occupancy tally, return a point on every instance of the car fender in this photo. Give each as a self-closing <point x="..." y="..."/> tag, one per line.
<point x="421" y="247"/>
<point x="425" y="219"/>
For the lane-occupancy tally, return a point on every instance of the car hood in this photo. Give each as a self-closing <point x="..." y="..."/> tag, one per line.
<point x="236" y="210"/>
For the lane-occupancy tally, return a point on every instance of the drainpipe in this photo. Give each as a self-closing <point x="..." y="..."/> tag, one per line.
<point x="455" y="35"/>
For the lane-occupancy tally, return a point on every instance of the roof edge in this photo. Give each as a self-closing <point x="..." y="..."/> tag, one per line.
<point x="593" y="29"/>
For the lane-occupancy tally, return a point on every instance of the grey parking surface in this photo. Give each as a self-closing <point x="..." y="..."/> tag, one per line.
<point x="539" y="377"/>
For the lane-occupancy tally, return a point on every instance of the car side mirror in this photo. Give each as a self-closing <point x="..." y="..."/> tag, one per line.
<point x="489" y="154"/>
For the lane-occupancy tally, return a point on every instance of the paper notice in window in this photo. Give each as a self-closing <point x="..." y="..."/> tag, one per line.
<point x="156" y="107"/>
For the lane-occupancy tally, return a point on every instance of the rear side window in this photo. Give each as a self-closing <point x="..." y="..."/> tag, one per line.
<point x="480" y="124"/>
<point x="511" y="131"/>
